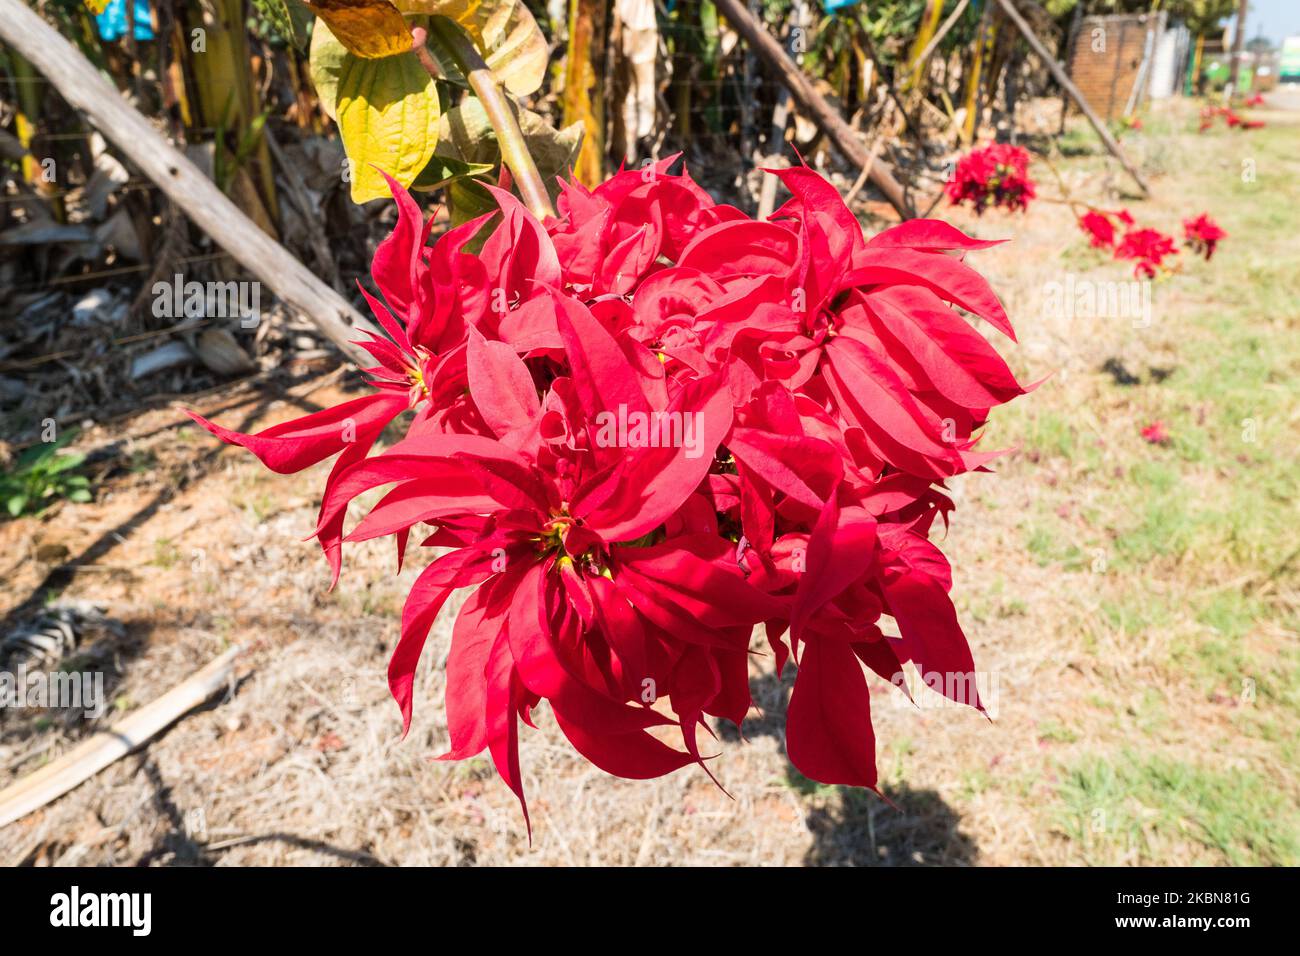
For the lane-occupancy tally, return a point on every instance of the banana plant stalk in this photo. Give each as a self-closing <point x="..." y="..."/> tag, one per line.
<point x="514" y="148"/>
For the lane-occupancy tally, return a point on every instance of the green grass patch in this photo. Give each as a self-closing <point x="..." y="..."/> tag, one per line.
<point x="1136" y="808"/>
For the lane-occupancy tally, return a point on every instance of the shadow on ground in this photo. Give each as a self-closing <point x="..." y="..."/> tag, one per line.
<point x="856" y="827"/>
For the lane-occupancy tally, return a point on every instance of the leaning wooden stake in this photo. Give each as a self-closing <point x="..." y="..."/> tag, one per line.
<point x="813" y="103"/>
<point x="1059" y="73"/>
<point x="91" y="756"/>
<point x="85" y="89"/>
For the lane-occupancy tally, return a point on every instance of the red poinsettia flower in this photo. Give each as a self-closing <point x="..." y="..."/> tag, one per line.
<point x="997" y="175"/>
<point x="1210" y="113"/>
<point x="649" y="423"/>
<point x="1148" y="248"/>
<point x="1203" y="234"/>
<point x="1102" y="226"/>
<point x="1156" y="433"/>
<point x="1100" y="229"/>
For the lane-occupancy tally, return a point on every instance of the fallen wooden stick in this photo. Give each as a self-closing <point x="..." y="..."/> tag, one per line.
<point x="91" y="756"/>
<point x="84" y="88"/>
<point x="1058" y="72"/>
<point x="828" y="120"/>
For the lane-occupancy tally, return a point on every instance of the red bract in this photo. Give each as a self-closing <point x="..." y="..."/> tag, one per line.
<point x="1202" y="234"/>
<point x="1210" y="113"/>
<point x="1149" y="248"/>
<point x="1099" y="227"/>
<point x="997" y="175"/>
<point x="1156" y="433"/>
<point x="649" y="424"/>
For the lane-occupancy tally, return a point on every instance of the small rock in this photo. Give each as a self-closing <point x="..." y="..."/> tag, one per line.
<point x="93" y="308"/>
<point x="52" y="552"/>
<point x="219" y="351"/>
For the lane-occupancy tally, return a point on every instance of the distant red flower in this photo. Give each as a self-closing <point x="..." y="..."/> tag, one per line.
<point x="1202" y="234"/>
<point x="997" y="175"/>
<point x="1255" y="100"/>
<point x="1148" y="247"/>
<point x="1100" y="230"/>
<point x="1100" y="226"/>
<point x="1210" y="113"/>
<point x="1156" y="433"/>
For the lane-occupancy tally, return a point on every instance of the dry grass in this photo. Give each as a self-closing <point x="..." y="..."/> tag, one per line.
<point x="1131" y="605"/>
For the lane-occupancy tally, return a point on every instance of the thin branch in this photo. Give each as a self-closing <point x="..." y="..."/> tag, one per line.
<point x="514" y="148"/>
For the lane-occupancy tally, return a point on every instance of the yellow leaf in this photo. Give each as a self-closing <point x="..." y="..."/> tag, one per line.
<point x="505" y="33"/>
<point x="96" y="6"/>
<point x="370" y="29"/>
<point x="388" y="117"/>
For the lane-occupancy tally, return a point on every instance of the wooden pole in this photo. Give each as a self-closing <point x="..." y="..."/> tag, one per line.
<point x="1195" y="84"/>
<point x="1238" y="40"/>
<point x="925" y="30"/>
<point x="830" y="122"/>
<point x="1070" y="39"/>
<point x="583" y="98"/>
<point x="970" y="126"/>
<point x="1059" y="74"/>
<point x="85" y="89"/>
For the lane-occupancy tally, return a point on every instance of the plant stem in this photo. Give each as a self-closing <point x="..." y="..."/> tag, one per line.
<point x="514" y="148"/>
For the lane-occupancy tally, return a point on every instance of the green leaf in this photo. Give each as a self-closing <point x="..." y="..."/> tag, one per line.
<point x="326" y="62"/>
<point x="66" y="462"/>
<point x="80" y="495"/>
<point x="32" y="457"/>
<point x="442" y="171"/>
<point x="15" y="505"/>
<point x="466" y="135"/>
<point x="276" y="13"/>
<point x="467" y="200"/>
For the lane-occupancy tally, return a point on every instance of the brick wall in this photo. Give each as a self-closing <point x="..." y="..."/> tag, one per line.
<point x="1106" y="56"/>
